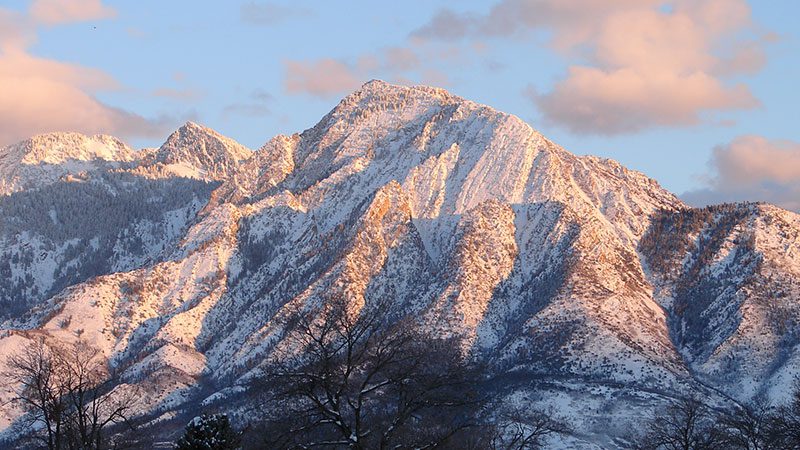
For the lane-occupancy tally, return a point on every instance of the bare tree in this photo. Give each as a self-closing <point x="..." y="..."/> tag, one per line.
<point x="747" y="427"/>
<point x="40" y="393"/>
<point x="686" y="424"/>
<point x="67" y="394"/>
<point x="784" y="426"/>
<point x="350" y="380"/>
<point x="519" y="428"/>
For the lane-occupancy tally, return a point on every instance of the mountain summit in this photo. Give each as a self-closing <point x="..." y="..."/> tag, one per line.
<point x="202" y="149"/>
<point x="45" y="158"/>
<point x="585" y="287"/>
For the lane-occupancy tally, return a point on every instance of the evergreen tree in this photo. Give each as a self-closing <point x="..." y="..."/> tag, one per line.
<point x="209" y="432"/>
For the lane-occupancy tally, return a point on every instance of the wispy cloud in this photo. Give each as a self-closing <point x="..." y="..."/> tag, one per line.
<point x="258" y="105"/>
<point x="54" y="12"/>
<point x="322" y="78"/>
<point x="329" y="77"/>
<point x="267" y="13"/>
<point x="185" y="95"/>
<point x="752" y="168"/>
<point x="401" y="59"/>
<point x="639" y="63"/>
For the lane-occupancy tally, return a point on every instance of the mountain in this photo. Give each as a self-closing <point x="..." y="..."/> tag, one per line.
<point x="584" y="286"/>
<point x="199" y="152"/>
<point x="46" y="158"/>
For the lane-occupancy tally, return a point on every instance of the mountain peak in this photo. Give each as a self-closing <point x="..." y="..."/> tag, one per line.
<point x="382" y="92"/>
<point x="375" y="83"/>
<point x="60" y="147"/>
<point x="196" y="130"/>
<point x="47" y="158"/>
<point x="213" y="154"/>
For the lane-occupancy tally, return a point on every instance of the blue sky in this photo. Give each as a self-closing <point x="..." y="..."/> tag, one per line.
<point x="254" y="69"/>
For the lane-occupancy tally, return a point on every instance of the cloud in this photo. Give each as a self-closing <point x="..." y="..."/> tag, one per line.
<point x="260" y="95"/>
<point x="257" y="106"/>
<point x="447" y="24"/>
<point x="185" y="95"/>
<point x="54" y="12"/>
<point x="16" y="30"/>
<point x="401" y="59"/>
<point x="570" y="20"/>
<point x="635" y="64"/>
<point x="265" y="14"/>
<point x="246" y="109"/>
<point x="594" y="101"/>
<point x="39" y="95"/>
<point x="321" y="78"/>
<point x="752" y="168"/>
<point x="136" y="33"/>
<point x="328" y="77"/>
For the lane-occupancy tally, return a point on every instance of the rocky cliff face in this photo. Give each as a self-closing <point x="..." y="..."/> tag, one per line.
<point x="585" y="286"/>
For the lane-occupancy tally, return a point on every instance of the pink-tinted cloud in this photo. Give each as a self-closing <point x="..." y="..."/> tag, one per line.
<point x="752" y="168"/>
<point x="16" y="31"/>
<point x="639" y="63"/>
<point x="54" y="12"/>
<point x="331" y="77"/>
<point x="322" y="78"/>
<point x="595" y="101"/>
<point x="39" y="95"/>
<point x="653" y="68"/>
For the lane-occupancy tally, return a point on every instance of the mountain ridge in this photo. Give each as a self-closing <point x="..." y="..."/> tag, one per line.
<point x="596" y="291"/>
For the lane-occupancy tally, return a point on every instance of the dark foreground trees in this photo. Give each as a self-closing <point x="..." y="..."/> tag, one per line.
<point x="688" y="424"/>
<point x="350" y="377"/>
<point x="749" y="427"/>
<point x="209" y="432"/>
<point x="67" y="394"/>
<point x="784" y="424"/>
<point x="347" y="379"/>
<point x="520" y="428"/>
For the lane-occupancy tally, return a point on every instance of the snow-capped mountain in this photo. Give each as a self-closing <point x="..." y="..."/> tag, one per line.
<point x="195" y="151"/>
<point x="47" y="158"/>
<point x="585" y="285"/>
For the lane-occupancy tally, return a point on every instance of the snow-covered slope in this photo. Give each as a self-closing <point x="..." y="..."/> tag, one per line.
<point x="47" y="158"/>
<point x="584" y="285"/>
<point x="729" y="276"/>
<point x="198" y="152"/>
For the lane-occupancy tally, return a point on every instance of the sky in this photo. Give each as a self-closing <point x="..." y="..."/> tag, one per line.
<point x="701" y="95"/>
